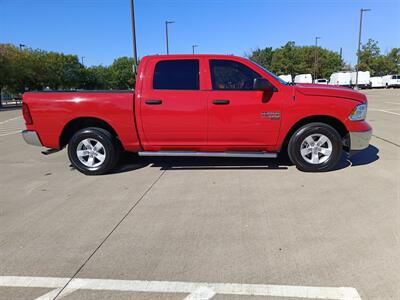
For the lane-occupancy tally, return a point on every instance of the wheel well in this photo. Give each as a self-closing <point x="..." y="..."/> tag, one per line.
<point x="80" y="123"/>
<point x="335" y="123"/>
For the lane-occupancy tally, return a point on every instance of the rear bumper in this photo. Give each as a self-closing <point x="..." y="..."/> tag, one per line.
<point x="31" y="138"/>
<point x="359" y="140"/>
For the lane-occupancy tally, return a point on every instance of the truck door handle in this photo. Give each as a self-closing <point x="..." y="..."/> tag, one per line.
<point x="221" y="102"/>
<point x="153" y="102"/>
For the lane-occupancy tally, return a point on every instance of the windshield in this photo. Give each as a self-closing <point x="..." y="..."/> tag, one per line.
<point x="270" y="73"/>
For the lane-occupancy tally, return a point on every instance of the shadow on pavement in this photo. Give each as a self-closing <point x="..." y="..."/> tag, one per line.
<point x="8" y="108"/>
<point x="131" y="161"/>
<point x="365" y="157"/>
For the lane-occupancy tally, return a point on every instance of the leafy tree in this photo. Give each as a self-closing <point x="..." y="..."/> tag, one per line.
<point x="263" y="56"/>
<point x="372" y="60"/>
<point x="121" y="72"/>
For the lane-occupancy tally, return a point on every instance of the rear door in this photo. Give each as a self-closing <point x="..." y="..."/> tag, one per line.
<point x="172" y="106"/>
<point x="239" y="117"/>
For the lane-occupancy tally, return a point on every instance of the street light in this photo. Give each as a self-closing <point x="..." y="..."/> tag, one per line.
<point x="82" y="60"/>
<point x="21" y="46"/>
<point x="166" y="33"/>
<point x="194" y="46"/>
<point x="133" y="37"/>
<point x="316" y="56"/>
<point x="359" y="43"/>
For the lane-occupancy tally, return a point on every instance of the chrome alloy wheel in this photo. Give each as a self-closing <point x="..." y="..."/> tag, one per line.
<point x="91" y="152"/>
<point x="316" y="149"/>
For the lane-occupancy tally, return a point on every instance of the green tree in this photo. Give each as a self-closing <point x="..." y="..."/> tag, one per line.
<point x="121" y="73"/>
<point x="262" y="56"/>
<point x="372" y="60"/>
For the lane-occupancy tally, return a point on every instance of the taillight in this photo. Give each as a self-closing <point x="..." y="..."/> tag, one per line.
<point x="27" y="114"/>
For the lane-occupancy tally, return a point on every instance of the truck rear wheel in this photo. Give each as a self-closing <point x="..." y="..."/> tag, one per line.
<point x="315" y="147"/>
<point x="93" y="151"/>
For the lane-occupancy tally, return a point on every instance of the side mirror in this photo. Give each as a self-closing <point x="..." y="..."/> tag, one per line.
<point x="262" y="84"/>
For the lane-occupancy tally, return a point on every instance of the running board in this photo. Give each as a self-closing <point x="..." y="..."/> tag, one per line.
<point x="209" y="154"/>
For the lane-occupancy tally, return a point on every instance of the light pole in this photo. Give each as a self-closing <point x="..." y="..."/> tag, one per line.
<point x="166" y="33"/>
<point x="316" y="56"/>
<point x="133" y="37"/>
<point x="82" y="60"/>
<point x="194" y="46"/>
<point x="21" y="46"/>
<point x="359" y="43"/>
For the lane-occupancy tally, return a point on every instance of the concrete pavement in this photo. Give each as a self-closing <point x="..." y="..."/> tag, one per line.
<point x="196" y="220"/>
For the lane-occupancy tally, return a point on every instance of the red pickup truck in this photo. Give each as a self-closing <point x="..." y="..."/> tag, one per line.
<point x="200" y="105"/>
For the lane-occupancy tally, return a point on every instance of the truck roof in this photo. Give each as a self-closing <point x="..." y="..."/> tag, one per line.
<point x="186" y="56"/>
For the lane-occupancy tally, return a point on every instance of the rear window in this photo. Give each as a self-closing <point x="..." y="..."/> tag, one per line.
<point x="176" y="75"/>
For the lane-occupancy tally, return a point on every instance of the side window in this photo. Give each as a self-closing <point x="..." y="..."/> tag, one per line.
<point x="176" y="75"/>
<point x="231" y="75"/>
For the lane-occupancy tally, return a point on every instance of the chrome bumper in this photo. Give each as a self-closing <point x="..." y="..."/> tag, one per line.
<point x="360" y="140"/>
<point x="31" y="138"/>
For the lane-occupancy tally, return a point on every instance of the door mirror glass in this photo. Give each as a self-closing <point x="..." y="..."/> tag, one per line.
<point x="262" y="84"/>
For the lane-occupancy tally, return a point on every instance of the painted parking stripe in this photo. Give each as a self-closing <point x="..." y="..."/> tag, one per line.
<point x="386" y="111"/>
<point x="12" y="119"/>
<point x="11" y="133"/>
<point x="191" y="288"/>
<point x="202" y="293"/>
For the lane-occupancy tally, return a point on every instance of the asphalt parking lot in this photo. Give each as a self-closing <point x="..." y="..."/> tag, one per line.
<point x="198" y="228"/>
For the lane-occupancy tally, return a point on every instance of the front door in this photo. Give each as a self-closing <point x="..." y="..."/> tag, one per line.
<point x="173" y="110"/>
<point x="238" y="116"/>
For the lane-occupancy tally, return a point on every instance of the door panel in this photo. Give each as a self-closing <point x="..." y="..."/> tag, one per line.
<point x="179" y="120"/>
<point x="251" y="118"/>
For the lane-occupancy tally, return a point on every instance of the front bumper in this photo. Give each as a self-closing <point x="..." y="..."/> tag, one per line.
<point x="359" y="140"/>
<point x="31" y="138"/>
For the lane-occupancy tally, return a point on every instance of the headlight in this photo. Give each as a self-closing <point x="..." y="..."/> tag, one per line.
<point x="358" y="113"/>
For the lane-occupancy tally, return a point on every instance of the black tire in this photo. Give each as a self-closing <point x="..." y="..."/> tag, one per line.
<point x="111" y="150"/>
<point x="313" y="130"/>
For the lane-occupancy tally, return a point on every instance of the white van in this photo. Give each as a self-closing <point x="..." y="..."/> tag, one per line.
<point x="321" y="81"/>
<point x="303" y="78"/>
<point x="340" y="78"/>
<point x="391" y="81"/>
<point x="363" y="78"/>
<point x="287" y="78"/>
<point x="376" y="82"/>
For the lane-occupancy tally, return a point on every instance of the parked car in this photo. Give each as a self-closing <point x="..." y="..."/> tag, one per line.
<point x="340" y="78"/>
<point x="287" y="78"/>
<point x="376" y="82"/>
<point x="391" y="81"/>
<point x="303" y="78"/>
<point x="321" y="81"/>
<point x="200" y="105"/>
<point x="363" y="79"/>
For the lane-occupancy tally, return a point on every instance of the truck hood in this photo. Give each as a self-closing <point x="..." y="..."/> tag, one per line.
<point x="330" y="91"/>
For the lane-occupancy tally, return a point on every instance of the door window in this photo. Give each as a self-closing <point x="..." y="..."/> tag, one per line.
<point x="176" y="75"/>
<point x="231" y="75"/>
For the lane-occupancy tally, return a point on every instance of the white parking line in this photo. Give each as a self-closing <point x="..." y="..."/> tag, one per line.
<point x="197" y="290"/>
<point x="385" y="111"/>
<point x="11" y="133"/>
<point x="12" y="119"/>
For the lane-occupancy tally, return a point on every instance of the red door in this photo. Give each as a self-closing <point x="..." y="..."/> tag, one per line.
<point x="173" y="109"/>
<point x="238" y="116"/>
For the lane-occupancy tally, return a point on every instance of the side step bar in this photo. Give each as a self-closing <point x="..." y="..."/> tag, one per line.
<point x="209" y="154"/>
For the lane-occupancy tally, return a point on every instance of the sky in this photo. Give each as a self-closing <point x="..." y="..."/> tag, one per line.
<point x="100" y="30"/>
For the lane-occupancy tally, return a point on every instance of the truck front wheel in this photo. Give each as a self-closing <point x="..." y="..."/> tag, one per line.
<point x="315" y="147"/>
<point x="93" y="151"/>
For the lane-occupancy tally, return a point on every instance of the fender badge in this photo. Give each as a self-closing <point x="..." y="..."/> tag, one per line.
<point x="273" y="115"/>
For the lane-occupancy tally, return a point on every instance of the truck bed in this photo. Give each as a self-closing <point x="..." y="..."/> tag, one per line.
<point x="53" y="111"/>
